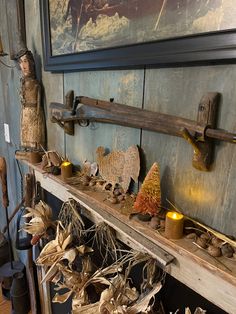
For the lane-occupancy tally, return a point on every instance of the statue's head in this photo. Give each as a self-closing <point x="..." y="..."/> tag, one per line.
<point x="26" y="62"/>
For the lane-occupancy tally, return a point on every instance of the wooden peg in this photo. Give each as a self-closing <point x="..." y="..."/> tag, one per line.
<point x="207" y="115"/>
<point x="203" y="146"/>
<point x="69" y="126"/>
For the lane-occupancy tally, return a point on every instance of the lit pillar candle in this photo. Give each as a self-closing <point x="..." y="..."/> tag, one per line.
<point x="174" y="225"/>
<point x="66" y="170"/>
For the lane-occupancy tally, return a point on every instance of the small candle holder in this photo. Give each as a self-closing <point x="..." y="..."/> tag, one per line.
<point x="66" y="169"/>
<point x="174" y="225"/>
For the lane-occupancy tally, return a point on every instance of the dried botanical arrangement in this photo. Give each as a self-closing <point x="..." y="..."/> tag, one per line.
<point x="118" y="167"/>
<point x="148" y="200"/>
<point x="106" y="242"/>
<point x="59" y="250"/>
<point x="69" y="215"/>
<point x="119" y="296"/>
<point x="107" y="289"/>
<point x="111" y="286"/>
<point x="51" y="162"/>
<point x="40" y="221"/>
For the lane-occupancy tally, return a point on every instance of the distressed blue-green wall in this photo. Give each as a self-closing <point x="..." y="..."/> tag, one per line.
<point x="210" y="197"/>
<point x="9" y="113"/>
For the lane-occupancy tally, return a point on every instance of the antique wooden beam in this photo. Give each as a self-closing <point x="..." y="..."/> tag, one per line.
<point x="198" y="133"/>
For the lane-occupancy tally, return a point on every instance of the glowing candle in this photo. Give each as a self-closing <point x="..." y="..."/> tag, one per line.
<point x="66" y="169"/>
<point x="174" y="225"/>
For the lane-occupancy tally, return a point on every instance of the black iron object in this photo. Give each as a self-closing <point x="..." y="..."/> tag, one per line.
<point x="23" y="239"/>
<point x="19" y="294"/>
<point x="9" y="269"/>
<point x="4" y="250"/>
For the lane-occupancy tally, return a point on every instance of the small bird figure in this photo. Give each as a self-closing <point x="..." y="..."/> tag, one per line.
<point x="119" y="167"/>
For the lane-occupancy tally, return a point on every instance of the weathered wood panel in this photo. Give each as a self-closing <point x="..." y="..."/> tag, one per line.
<point x="9" y="113"/>
<point x="124" y="87"/>
<point x="208" y="196"/>
<point x="52" y="84"/>
<point x="15" y="26"/>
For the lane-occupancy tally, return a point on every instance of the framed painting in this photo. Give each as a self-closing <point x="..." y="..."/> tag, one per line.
<point x="108" y="34"/>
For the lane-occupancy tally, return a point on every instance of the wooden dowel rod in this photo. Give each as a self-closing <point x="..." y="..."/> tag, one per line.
<point x="221" y="135"/>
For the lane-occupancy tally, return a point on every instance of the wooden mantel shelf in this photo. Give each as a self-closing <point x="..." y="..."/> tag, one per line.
<point x="213" y="279"/>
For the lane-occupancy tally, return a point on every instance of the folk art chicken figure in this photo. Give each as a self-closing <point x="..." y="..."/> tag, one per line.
<point x="119" y="167"/>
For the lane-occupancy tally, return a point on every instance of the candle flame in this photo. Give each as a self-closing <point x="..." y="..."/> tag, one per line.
<point x="66" y="163"/>
<point x="175" y="215"/>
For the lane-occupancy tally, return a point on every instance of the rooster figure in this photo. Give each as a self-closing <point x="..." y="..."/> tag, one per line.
<point x="119" y="167"/>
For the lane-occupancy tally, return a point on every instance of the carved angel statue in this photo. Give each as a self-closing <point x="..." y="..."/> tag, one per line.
<point x="32" y="122"/>
<point x="119" y="167"/>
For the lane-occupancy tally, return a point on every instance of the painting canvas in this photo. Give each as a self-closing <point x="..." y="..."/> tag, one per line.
<point x="108" y="34"/>
<point x="87" y="25"/>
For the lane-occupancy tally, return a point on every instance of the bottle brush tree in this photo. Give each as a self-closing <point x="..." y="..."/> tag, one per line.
<point x="148" y="200"/>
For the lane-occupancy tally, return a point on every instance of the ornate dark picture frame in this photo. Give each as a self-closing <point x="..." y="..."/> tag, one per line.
<point x="215" y="47"/>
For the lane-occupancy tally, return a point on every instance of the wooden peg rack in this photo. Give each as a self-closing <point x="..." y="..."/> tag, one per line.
<point x="200" y="133"/>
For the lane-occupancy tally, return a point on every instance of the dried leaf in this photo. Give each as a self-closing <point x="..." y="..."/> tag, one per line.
<point x="66" y="242"/>
<point x="199" y="311"/>
<point x="61" y="298"/>
<point x="142" y="305"/>
<point x="86" y="309"/>
<point x="50" y="274"/>
<point x="69" y="255"/>
<point x="83" y="249"/>
<point x="41" y="219"/>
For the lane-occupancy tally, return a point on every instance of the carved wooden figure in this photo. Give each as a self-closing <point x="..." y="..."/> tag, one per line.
<point x="32" y="123"/>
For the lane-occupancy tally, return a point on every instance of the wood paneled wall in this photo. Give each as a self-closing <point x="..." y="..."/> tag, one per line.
<point x="210" y="197"/>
